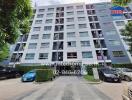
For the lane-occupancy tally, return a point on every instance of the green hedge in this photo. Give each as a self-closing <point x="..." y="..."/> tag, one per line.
<point x="122" y="65"/>
<point x="44" y="75"/>
<point x="25" y="69"/>
<point x="89" y="68"/>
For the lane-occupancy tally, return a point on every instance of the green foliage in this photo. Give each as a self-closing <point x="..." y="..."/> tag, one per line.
<point x="91" y="78"/>
<point x="44" y="75"/>
<point x="25" y="69"/>
<point x="14" y="20"/>
<point x="4" y="52"/>
<point x="121" y="3"/>
<point x="127" y="32"/>
<point x="122" y="65"/>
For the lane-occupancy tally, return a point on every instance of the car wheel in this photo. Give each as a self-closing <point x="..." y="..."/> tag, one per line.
<point x="127" y="78"/>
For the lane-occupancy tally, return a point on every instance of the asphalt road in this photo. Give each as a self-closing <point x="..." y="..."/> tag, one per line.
<point x="63" y="88"/>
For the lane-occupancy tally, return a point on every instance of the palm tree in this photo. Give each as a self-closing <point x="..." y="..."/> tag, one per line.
<point x="127" y="32"/>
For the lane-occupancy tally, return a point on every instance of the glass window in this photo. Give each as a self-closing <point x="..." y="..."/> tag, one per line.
<point x="87" y="54"/>
<point x="49" y="15"/>
<point x="72" y="26"/>
<point x="71" y="44"/>
<point x="47" y="28"/>
<point x="36" y="36"/>
<point x="120" y="23"/>
<point x="46" y="36"/>
<point x="114" y="42"/>
<point x="58" y="36"/>
<point x="38" y="22"/>
<point x="70" y="19"/>
<point x="32" y="45"/>
<point x="85" y="43"/>
<point x="29" y="56"/>
<point x="70" y="34"/>
<point x="81" y="19"/>
<point x="36" y="28"/>
<point x="50" y="9"/>
<point x="80" y="12"/>
<point x="82" y="26"/>
<point x="45" y="45"/>
<point x="70" y="13"/>
<point x="113" y="32"/>
<point x="48" y="21"/>
<point x="72" y="55"/>
<point x="83" y="34"/>
<point x="41" y="10"/>
<point x="79" y="7"/>
<point x="43" y="55"/>
<point x="118" y="53"/>
<point x="40" y="15"/>
<point x="69" y="7"/>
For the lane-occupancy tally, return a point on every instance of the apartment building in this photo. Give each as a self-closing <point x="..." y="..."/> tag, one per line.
<point x="71" y="34"/>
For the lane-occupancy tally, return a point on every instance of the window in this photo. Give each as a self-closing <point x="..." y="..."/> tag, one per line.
<point x="32" y="45"/>
<point x="83" y="34"/>
<point x="70" y="34"/>
<point x="71" y="55"/>
<point x="57" y="56"/>
<point x="80" y="12"/>
<point x="69" y="7"/>
<point x="60" y="9"/>
<point x="72" y="26"/>
<point x="114" y="42"/>
<point x="118" y="53"/>
<point x="87" y="54"/>
<point x="91" y="12"/>
<point x="43" y="55"/>
<point x="41" y="10"/>
<point x="58" y="45"/>
<point x="38" y="22"/>
<point x="59" y="28"/>
<point x="79" y="7"/>
<point x="58" y="36"/>
<point x="50" y="9"/>
<point x="113" y="32"/>
<point x="70" y="19"/>
<point x="46" y="36"/>
<point x="93" y="18"/>
<point x="89" y="7"/>
<point x="85" y="43"/>
<point x="95" y="25"/>
<point x="30" y="56"/>
<point x="36" y="36"/>
<point x="82" y="26"/>
<point x="48" y="21"/>
<point x="71" y="44"/>
<point x="36" y="28"/>
<point x="70" y="13"/>
<point x="120" y="23"/>
<point x="47" y="28"/>
<point x="81" y="19"/>
<point x="40" y="15"/>
<point x="49" y="15"/>
<point x="45" y="45"/>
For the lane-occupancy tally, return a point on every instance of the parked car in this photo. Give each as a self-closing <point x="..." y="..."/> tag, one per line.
<point x="7" y="72"/>
<point x="29" y="76"/>
<point x="109" y="75"/>
<point x="127" y="92"/>
<point x="125" y="73"/>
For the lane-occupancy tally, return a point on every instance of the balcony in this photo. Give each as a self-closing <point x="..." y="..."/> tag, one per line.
<point x="99" y="44"/>
<point x="102" y="56"/>
<point x="23" y="38"/>
<point x="59" y="21"/>
<point x="60" y="9"/>
<point x="97" y="34"/>
<point x="61" y="14"/>
<point x="59" y="28"/>
<point x="20" y="47"/>
<point x="16" y="57"/>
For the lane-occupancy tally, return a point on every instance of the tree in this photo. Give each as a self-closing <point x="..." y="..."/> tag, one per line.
<point x="121" y="3"/>
<point x="127" y="32"/>
<point x="14" y="20"/>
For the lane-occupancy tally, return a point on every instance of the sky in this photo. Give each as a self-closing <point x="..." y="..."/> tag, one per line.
<point x="54" y="2"/>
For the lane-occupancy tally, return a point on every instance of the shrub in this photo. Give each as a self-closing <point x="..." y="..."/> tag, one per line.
<point x="44" y="75"/>
<point x="122" y="65"/>
<point x="25" y="69"/>
<point x="89" y="68"/>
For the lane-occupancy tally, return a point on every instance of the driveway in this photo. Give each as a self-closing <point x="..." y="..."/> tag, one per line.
<point x="62" y="88"/>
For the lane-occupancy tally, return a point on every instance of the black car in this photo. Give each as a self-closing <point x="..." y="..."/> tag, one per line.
<point x="109" y="75"/>
<point x="7" y="72"/>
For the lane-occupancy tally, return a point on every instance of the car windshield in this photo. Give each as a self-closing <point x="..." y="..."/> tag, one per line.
<point x="127" y="70"/>
<point x="108" y="71"/>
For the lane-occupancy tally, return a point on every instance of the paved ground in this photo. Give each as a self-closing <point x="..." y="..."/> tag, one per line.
<point x="63" y="88"/>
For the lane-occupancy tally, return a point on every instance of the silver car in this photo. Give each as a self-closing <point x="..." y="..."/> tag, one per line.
<point x="125" y="73"/>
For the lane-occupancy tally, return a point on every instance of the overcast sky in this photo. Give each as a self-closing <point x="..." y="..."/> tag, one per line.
<point x="53" y="2"/>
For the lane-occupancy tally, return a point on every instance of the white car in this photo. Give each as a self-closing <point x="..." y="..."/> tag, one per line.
<point x="125" y="73"/>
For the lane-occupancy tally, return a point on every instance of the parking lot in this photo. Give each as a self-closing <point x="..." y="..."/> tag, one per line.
<point x="14" y="89"/>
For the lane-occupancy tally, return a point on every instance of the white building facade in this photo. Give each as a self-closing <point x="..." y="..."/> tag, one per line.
<point x="73" y="33"/>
